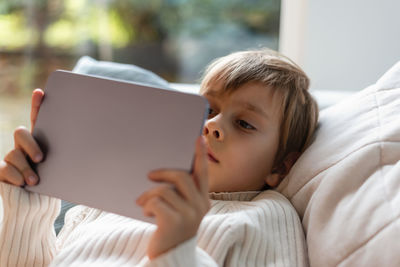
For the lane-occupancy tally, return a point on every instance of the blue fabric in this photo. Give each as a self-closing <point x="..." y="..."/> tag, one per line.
<point x="127" y="72"/>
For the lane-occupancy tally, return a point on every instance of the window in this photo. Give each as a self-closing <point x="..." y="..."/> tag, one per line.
<point x="174" y="38"/>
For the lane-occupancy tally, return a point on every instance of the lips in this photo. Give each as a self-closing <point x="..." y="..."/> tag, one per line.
<point x="211" y="156"/>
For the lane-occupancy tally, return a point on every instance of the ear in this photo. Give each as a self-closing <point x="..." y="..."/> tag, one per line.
<point x="273" y="180"/>
<point x="278" y="173"/>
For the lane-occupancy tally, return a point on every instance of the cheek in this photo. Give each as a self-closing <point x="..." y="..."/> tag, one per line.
<point x="260" y="163"/>
<point x="253" y="157"/>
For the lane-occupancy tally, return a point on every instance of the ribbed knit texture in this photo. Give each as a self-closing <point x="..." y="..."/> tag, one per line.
<point x="241" y="229"/>
<point x="26" y="237"/>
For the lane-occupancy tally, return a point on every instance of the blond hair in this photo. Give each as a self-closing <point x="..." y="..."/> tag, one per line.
<point x="299" y="109"/>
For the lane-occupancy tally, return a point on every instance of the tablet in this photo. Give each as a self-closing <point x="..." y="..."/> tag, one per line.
<point x="101" y="137"/>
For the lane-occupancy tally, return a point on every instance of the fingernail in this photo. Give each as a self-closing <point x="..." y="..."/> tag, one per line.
<point x="38" y="157"/>
<point x="151" y="174"/>
<point x="32" y="179"/>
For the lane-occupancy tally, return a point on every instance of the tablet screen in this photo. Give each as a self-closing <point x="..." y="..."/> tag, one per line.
<point x="101" y="137"/>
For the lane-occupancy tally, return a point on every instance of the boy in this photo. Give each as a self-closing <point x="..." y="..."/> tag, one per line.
<point x="261" y="118"/>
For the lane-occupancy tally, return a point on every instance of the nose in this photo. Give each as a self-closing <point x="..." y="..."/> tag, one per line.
<point x="212" y="128"/>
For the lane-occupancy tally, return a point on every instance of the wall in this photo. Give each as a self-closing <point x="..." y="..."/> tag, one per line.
<point x="342" y="45"/>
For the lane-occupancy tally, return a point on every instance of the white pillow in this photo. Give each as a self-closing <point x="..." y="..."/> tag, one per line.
<point x="346" y="185"/>
<point x="1" y="210"/>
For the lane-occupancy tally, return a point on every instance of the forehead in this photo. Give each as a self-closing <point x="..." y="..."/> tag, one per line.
<point x="252" y="95"/>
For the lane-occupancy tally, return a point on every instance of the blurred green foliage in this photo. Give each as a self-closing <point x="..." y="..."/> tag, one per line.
<point x="70" y="22"/>
<point x="162" y="35"/>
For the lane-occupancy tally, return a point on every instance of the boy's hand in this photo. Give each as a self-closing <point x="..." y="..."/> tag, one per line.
<point x="178" y="205"/>
<point x="37" y="97"/>
<point x="15" y="169"/>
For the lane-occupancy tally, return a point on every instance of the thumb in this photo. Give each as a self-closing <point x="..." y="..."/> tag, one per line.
<point x="200" y="169"/>
<point x="37" y="97"/>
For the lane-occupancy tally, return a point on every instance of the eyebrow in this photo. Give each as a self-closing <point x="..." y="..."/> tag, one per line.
<point x="244" y="104"/>
<point x="212" y="93"/>
<point x="253" y="108"/>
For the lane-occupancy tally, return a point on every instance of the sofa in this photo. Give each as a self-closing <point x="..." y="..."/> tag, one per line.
<point x="346" y="185"/>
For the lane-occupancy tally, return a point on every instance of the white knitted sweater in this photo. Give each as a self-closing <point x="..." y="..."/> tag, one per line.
<point x="241" y="229"/>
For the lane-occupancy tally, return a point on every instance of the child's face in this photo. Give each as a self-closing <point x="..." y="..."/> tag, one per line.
<point x="242" y="134"/>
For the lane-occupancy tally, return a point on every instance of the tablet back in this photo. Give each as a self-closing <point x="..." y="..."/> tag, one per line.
<point x="101" y="137"/>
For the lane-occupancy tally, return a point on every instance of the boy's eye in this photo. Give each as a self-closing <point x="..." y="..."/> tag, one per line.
<point x="210" y="112"/>
<point x="245" y="125"/>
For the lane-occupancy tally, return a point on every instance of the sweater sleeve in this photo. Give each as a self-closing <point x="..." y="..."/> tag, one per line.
<point x="186" y="254"/>
<point x="27" y="236"/>
<point x="263" y="232"/>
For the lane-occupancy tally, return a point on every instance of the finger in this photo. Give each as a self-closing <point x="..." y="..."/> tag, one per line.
<point x="182" y="181"/>
<point x="168" y="194"/>
<point x="25" y="142"/>
<point x="17" y="159"/>
<point x="200" y="168"/>
<point x="37" y="97"/>
<point x="10" y="174"/>
<point x="159" y="209"/>
<point x="185" y="186"/>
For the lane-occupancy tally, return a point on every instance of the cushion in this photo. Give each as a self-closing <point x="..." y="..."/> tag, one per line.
<point x="346" y="185"/>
